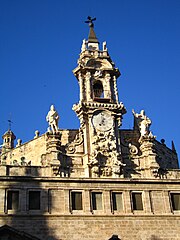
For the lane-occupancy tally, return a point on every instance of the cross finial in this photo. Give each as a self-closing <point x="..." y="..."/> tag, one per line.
<point x="90" y="21"/>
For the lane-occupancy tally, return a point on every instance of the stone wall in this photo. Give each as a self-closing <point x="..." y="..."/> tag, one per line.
<point x="31" y="152"/>
<point x="56" y="220"/>
<point x="97" y="227"/>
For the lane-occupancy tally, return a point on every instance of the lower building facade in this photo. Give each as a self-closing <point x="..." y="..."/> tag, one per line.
<point x="48" y="208"/>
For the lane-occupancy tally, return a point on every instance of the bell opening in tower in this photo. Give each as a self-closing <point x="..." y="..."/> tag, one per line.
<point x="98" y="92"/>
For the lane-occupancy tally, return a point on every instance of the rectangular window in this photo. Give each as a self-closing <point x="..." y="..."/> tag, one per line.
<point x="137" y="201"/>
<point x="117" y="204"/>
<point x="12" y="200"/>
<point x="76" y="198"/>
<point x="96" y="200"/>
<point x="175" y="201"/>
<point x="34" y="200"/>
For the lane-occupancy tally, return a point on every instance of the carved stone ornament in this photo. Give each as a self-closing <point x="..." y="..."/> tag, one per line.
<point x="22" y="162"/>
<point x="105" y="160"/>
<point x="71" y="148"/>
<point x="160" y="173"/>
<point x="133" y="149"/>
<point x="147" y="138"/>
<point x="56" y="168"/>
<point x="98" y="74"/>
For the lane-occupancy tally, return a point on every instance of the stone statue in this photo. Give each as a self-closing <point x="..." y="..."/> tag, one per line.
<point x="104" y="46"/>
<point x="143" y="122"/>
<point x="52" y="118"/>
<point x="83" y="48"/>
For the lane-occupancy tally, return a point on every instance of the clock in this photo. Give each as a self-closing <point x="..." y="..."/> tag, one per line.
<point x="102" y="121"/>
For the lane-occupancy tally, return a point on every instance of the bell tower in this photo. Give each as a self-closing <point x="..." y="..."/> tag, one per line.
<point x="8" y="140"/>
<point x="99" y="109"/>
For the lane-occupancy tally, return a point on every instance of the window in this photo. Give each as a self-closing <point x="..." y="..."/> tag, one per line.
<point x="117" y="204"/>
<point x="98" y="89"/>
<point x="12" y="200"/>
<point x="175" y="201"/>
<point x="34" y="200"/>
<point x="137" y="201"/>
<point x="76" y="200"/>
<point x="96" y="201"/>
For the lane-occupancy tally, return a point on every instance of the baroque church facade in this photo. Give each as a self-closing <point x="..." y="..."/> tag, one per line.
<point x="98" y="182"/>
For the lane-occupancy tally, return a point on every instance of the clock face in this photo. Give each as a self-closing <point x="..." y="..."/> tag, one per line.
<point x="102" y="121"/>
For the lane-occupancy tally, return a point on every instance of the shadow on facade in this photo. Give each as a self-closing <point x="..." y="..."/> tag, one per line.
<point x="129" y="172"/>
<point x="26" y="206"/>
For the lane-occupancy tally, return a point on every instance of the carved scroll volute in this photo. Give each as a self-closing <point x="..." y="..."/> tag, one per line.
<point x="71" y="148"/>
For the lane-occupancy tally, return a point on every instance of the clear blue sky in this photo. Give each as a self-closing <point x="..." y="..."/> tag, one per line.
<point x="39" y="45"/>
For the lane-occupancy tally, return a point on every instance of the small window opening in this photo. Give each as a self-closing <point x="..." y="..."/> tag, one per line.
<point x="12" y="200"/>
<point x="175" y="201"/>
<point x="76" y="198"/>
<point x="137" y="201"/>
<point x="98" y="90"/>
<point x="117" y="204"/>
<point x="96" y="201"/>
<point x="34" y="200"/>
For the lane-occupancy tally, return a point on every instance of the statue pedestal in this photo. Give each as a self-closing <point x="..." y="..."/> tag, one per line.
<point x="53" y="147"/>
<point x="148" y="153"/>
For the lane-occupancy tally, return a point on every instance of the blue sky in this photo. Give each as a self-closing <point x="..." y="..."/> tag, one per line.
<point x="40" y="43"/>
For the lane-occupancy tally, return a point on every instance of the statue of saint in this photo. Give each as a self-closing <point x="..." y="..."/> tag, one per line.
<point x="143" y="122"/>
<point x="52" y="118"/>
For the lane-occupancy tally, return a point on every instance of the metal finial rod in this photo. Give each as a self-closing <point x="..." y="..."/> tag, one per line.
<point x="90" y="21"/>
<point x="9" y="124"/>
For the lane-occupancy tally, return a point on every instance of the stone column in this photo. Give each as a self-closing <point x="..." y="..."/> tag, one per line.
<point x="115" y="89"/>
<point x="88" y="86"/>
<point x="107" y="86"/>
<point x="80" y="87"/>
